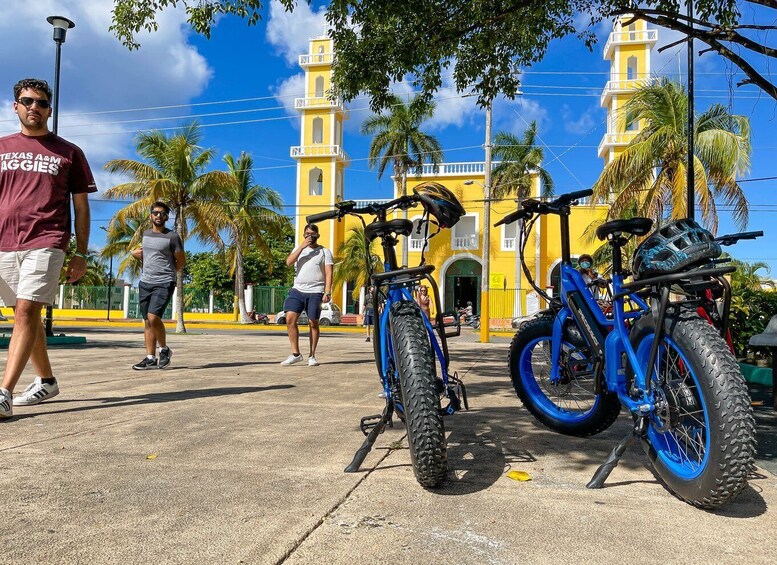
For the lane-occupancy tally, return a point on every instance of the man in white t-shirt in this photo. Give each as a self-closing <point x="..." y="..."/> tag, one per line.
<point x="312" y="286"/>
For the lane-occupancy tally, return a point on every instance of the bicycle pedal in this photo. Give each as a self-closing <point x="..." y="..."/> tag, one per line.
<point x="368" y="422"/>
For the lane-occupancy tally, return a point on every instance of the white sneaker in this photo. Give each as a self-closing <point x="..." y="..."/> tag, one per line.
<point x="291" y="359"/>
<point x="312" y="361"/>
<point x="37" y="392"/>
<point x="6" y="405"/>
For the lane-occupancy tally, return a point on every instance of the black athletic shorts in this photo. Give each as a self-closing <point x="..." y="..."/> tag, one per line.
<point x="154" y="298"/>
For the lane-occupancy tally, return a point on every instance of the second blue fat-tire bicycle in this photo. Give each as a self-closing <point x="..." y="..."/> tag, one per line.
<point x="575" y="364"/>
<point x="411" y="353"/>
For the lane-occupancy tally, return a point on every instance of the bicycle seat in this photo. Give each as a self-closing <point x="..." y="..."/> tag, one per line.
<point x="633" y="226"/>
<point x="400" y="226"/>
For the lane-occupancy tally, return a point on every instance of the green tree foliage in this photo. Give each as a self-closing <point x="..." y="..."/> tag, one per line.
<point x="722" y="153"/>
<point x="351" y="264"/>
<point x="123" y="237"/>
<point x="521" y="159"/>
<point x="207" y="271"/>
<point x="398" y="141"/>
<point x="482" y="41"/>
<point x="173" y="171"/>
<point x="242" y="216"/>
<point x="96" y="271"/>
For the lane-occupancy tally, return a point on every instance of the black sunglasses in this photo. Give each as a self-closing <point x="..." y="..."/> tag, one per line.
<point x="159" y="213"/>
<point x="27" y="102"/>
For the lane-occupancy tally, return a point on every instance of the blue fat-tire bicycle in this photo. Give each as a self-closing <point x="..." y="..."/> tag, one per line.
<point x="408" y="347"/>
<point x="575" y="364"/>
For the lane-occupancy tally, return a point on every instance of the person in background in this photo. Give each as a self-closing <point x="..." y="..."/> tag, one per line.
<point x="163" y="256"/>
<point x="39" y="175"/>
<point x="368" y="311"/>
<point x="313" y="265"/>
<point x="424" y="301"/>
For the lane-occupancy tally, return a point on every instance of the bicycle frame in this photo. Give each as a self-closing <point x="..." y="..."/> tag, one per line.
<point x="607" y="337"/>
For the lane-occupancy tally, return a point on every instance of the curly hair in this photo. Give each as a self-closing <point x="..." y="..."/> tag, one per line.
<point x="35" y="84"/>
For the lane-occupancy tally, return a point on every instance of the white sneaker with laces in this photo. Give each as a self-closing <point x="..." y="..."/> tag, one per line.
<point x="312" y="361"/>
<point x="37" y="392"/>
<point x="6" y="404"/>
<point x="291" y="359"/>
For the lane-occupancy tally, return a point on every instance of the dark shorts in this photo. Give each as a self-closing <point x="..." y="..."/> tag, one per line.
<point x="154" y="298"/>
<point x="310" y="302"/>
<point x="368" y="319"/>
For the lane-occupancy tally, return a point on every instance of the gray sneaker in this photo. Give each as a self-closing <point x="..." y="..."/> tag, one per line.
<point x="164" y="357"/>
<point x="6" y="405"/>
<point x="37" y="392"/>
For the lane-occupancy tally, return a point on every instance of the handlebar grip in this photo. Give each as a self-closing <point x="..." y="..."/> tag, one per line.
<point x="512" y="217"/>
<point x="328" y="215"/>
<point x="569" y="197"/>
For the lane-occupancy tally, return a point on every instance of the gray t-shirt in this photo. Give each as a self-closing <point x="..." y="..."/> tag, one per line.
<point x="310" y="276"/>
<point x="159" y="250"/>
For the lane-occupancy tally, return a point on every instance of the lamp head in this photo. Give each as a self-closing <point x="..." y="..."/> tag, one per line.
<point x="61" y="25"/>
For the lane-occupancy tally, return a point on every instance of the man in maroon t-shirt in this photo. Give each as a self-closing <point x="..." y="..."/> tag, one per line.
<point x="39" y="173"/>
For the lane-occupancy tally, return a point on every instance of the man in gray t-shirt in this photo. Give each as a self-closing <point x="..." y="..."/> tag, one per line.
<point x="312" y="286"/>
<point x="162" y="255"/>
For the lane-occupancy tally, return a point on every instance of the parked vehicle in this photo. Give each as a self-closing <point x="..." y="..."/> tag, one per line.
<point x="331" y="315"/>
<point x="574" y="365"/>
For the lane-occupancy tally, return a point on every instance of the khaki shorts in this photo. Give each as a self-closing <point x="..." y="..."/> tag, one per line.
<point x="30" y="275"/>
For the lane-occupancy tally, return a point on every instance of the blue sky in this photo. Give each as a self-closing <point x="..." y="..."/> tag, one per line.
<point x="240" y="85"/>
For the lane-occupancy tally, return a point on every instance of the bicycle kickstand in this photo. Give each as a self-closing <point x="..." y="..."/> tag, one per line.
<point x="604" y="470"/>
<point x="369" y="441"/>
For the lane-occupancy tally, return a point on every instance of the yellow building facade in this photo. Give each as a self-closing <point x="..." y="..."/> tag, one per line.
<point x="457" y="254"/>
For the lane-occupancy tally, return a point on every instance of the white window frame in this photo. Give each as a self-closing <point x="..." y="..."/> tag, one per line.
<point x="474" y="236"/>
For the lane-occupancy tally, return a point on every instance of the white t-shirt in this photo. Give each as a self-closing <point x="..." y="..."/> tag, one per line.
<point x="310" y="276"/>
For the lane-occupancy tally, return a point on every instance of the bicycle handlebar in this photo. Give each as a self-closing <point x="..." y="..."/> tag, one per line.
<point x="349" y="207"/>
<point x="531" y="206"/>
<point x="321" y="216"/>
<point x="732" y="238"/>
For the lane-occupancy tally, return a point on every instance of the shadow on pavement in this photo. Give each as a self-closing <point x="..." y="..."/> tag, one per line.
<point x="152" y="398"/>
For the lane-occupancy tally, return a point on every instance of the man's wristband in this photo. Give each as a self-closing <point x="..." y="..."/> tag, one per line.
<point x="83" y="256"/>
<point x="327" y="294"/>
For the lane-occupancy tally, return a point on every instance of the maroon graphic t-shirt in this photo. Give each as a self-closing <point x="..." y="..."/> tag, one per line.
<point x="37" y="176"/>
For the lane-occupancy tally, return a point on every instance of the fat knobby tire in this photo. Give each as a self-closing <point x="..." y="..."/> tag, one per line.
<point x="607" y="408"/>
<point x="424" y="421"/>
<point x="724" y="394"/>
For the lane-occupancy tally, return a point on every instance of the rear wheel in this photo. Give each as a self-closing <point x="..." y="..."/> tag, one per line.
<point x="701" y="437"/>
<point x="324" y="322"/>
<point x="423" y="417"/>
<point x="569" y="406"/>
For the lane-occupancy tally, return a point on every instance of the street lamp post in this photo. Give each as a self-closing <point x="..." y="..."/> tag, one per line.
<point x="61" y="25"/>
<point x="110" y="279"/>
<point x="485" y="269"/>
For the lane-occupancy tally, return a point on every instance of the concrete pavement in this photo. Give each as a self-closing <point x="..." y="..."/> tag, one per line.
<point x="228" y="457"/>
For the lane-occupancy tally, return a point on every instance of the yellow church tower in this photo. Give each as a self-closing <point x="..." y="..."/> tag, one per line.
<point x="320" y="157"/>
<point x="628" y="51"/>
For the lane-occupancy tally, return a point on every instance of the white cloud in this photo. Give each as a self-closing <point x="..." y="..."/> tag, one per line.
<point x="290" y="32"/>
<point x="285" y="93"/>
<point x="582" y="124"/>
<point x="98" y="74"/>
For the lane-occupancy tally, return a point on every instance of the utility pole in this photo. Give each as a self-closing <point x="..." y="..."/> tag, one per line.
<point x="691" y="188"/>
<point x="485" y="318"/>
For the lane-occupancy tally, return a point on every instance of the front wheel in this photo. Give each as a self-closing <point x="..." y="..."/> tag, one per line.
<point x="571" y="405"/>
<point x="701" y="437"/>
<point x="420" y="394"/>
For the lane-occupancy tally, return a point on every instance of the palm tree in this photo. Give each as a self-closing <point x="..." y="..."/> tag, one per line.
<point x="247" y="212"/>
<point x="652" y="170"/>
<point x="351" y="263"/>
<point x="520" y="161"/>
<point x="121" y="239"/>
<point x="172" y="172"/>
<point x="400" y="142"/>
<point x="746" y="276"/>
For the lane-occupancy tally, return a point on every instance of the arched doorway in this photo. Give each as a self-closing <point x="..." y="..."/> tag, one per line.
<point x="462" y="285"/>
